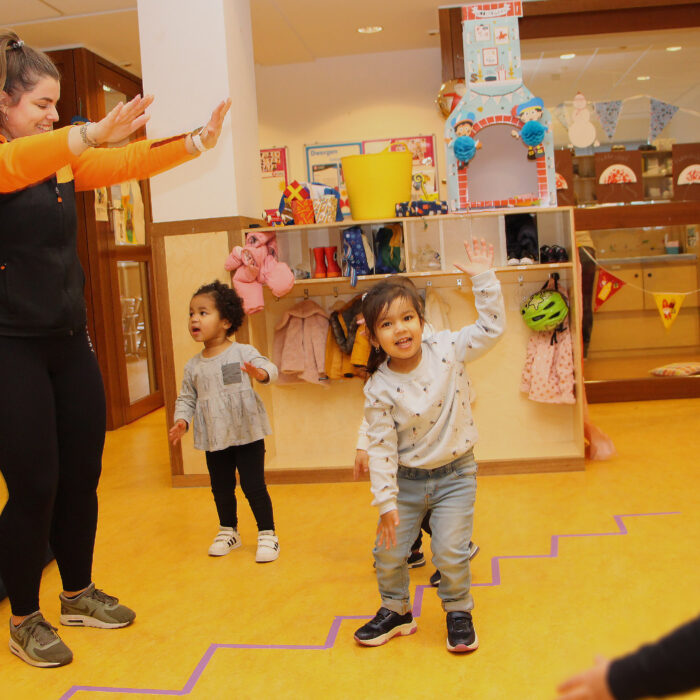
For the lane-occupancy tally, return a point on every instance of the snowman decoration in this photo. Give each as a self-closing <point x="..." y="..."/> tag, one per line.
<point x="581" y="131"/>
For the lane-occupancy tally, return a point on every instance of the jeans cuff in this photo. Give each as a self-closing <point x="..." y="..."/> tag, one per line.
<point x="398" y="606"/>
<point x="458" y="606"/>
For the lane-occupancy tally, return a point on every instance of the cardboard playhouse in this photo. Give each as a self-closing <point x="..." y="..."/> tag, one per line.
<point x="498" y="138"/>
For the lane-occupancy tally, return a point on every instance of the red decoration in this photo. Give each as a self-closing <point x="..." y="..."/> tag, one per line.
<point x="296" y="191"/>
<point x="607" y="286"/>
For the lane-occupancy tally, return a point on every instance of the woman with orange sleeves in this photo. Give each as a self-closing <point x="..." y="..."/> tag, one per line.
<point x="52" y="412"/>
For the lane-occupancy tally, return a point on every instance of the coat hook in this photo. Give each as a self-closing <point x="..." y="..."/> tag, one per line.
<point x="306" y="294"/>
<point x="520" y="280"/>
<point x="335" y="291"/>
<point x="459" y="281"/>
<point x="429" y="283"/>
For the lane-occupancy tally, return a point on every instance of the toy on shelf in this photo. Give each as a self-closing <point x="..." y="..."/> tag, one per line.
<point x="255" y="264"/>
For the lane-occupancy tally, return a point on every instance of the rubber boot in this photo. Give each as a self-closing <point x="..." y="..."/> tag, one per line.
<point x="332" y="261"/>
<point x="320" y="270"/>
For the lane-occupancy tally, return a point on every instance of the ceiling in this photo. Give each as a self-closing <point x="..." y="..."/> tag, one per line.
<point x="606" y="66"/>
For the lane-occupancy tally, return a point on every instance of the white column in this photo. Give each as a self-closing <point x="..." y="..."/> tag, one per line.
<point x="193" y="55"/>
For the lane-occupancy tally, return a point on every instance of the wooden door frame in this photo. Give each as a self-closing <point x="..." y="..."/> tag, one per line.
<point x="83" y="74"/>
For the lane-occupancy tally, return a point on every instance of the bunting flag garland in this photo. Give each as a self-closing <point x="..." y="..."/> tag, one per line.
<point x="608" y="114"/>
<point x="668" y="303"/>
<point x="606" y="286"/>
<point x="661" y="114"/>
<point x="669" y="306"/>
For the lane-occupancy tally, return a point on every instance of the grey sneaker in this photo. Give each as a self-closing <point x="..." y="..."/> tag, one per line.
<point x="36" y="642"/>
<point x="94" y="608"/>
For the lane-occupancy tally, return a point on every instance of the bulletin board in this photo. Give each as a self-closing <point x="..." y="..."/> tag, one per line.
<point x="323" y="166"/>
<point x="273" y="166"/>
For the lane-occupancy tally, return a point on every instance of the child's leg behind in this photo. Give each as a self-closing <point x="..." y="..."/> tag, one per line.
<point x="452" y="503"/>
<point x="221" y="465"/>
<point x="250" y="460"/>
<point x="395" y="617"/>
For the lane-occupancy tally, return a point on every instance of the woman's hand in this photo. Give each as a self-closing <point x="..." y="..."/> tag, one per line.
<point x="260" y="374"/>
<point x="122" y="121"/>
<point x="387" y="529"/>
<point x="177" y="431"/>
<point x="589" y="685"/>
<point x="361" y="464"/>
<point x="210" y="133"/>
<point x="480" y="257"/>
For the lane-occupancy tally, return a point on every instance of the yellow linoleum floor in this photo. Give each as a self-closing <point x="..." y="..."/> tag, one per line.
<point x="210" y="628"/>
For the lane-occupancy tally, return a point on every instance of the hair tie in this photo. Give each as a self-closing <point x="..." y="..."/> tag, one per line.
<point x="16" y="44"/>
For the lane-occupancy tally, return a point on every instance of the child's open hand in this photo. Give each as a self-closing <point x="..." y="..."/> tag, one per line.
<point x="177" y="431"/>
<point x="387" y="529"/>
<point x="480" y="257"/>
<point x="260" y="374"/>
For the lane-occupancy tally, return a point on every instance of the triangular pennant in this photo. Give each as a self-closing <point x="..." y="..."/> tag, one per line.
<point x="607" y="286"/>
<point x="661" y="114"/>
<point x="608" y="113"/>
<point x="669" y="305"/>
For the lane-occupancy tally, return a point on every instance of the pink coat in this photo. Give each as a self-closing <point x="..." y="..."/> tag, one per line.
<point x="299" y="346"/>
<point x="256" y="264"/>
<point x="548" y="375"/>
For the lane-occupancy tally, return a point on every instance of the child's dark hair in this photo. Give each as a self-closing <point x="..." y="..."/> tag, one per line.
<point x="227" y="301"/>
<point x="21" y="67"/>
<point x="377" y="300"/>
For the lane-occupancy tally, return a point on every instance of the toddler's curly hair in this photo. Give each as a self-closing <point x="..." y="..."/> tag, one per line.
<point x="227" y="301"/>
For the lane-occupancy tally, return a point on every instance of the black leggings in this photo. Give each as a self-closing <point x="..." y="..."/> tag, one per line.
<point x="249" y="459"/>
<point x="52" y="429"/>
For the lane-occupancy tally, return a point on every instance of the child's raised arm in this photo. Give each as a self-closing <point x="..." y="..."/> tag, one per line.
<point x="480" y="256"/>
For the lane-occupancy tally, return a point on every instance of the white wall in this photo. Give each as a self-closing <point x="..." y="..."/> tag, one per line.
<point x="349" y="98"/>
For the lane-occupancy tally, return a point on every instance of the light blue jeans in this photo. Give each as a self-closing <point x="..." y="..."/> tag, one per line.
<point x="449" y="492"/>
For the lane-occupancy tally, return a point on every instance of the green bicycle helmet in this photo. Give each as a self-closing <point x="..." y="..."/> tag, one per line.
<point x="544" y="310"/>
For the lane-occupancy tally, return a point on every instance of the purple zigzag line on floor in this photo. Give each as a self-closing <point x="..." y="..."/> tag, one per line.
<point x="338" y="619"/>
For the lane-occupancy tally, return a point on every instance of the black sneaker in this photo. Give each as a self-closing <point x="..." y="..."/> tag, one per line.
<point x="415" y="559"/>
<point x="383" y="626"/>
<point x="461" y="636"/>
<point x="558" y="254"/>
<point x="435" y="579"/>
<point x="546" y="254"/>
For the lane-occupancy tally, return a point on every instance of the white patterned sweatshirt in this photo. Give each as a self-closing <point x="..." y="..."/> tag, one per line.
<point x="217" y="398"/>
<point x="423" y="418"/>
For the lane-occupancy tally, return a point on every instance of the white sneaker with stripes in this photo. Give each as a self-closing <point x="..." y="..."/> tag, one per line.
<point x="268" y="546"/>
<point x="226" y="539"/>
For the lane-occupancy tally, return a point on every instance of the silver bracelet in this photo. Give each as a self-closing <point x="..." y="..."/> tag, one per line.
<point x="196" y="136"/>
<point x="84" y="135"/>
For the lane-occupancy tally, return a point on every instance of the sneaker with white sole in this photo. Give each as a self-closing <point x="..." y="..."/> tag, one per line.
<point x="94" y="608"/>
<point x="383" y="626"/>
<point x="226" y="539"/>
<point x="36" y="642"/>
<point x="268" y="546"/>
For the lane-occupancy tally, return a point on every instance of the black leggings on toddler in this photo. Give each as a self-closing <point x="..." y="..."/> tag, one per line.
<point x="249" y="459"/>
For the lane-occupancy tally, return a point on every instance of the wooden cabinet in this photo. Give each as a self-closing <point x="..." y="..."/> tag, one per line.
<point x="314" y="427"/>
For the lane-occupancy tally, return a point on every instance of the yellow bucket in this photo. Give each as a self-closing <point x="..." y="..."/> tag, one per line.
<point x="376" y="182"/>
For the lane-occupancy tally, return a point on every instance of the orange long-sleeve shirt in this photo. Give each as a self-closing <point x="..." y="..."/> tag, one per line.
<point x="41" y="279"/>
<point x="30" y="159"/>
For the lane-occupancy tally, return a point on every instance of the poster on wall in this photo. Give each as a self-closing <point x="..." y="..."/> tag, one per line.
<point x="128" y="220"/>
<point x="423" y="150"/>
<point x="273" y="167"/>
<point x="323" y="166"/>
